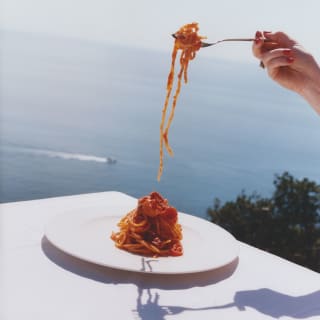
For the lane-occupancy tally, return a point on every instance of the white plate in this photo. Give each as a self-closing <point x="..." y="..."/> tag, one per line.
<point x="85" y="234"/>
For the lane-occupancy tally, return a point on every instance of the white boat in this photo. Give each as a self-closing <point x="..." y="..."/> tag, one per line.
<point x="111" y="160"/>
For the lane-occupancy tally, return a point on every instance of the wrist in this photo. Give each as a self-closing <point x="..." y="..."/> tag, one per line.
<point x="311" y="90"/>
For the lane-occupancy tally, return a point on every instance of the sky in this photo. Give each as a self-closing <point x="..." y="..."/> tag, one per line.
<point x="148" y="24"/>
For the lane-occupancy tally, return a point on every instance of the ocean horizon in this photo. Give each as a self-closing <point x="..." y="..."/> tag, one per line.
<point x="80" y="117"/>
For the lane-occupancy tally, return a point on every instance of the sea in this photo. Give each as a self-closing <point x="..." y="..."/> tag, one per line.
<point x="79" y="116"/>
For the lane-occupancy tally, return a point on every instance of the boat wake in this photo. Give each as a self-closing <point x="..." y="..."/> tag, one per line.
<point x="64" y="155"/>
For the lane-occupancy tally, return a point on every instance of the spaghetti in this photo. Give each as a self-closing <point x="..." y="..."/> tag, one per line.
<point x="151" y="229"/>
<point x="189" y="42"/>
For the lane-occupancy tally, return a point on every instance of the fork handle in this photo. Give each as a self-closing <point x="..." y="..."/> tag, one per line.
<point x="205" y="44"/>
<point x="244" y="39"/>
<point x="238" y="39"/>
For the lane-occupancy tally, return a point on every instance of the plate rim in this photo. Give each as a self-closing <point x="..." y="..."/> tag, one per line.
<point x="181" y="217"/>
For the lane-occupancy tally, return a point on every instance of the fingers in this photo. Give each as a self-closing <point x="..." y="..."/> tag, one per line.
<point x="266" y="41"/>
<point x="262" y="44"/>
<point x="280" y="37"/>
<point x="257" y="45"/>
<point x="278" y="58"/>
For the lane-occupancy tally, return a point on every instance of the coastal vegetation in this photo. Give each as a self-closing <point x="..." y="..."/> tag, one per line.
<point x="286" y="224"/>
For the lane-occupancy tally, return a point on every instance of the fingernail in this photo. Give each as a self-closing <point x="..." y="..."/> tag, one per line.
<point x="290" y="59"/>
<point x="257" y="40"/>
<point x="286" y="52"/>
<point x="258" y="34"/>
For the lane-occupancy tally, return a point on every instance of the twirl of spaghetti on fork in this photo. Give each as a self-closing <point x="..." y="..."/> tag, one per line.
<point x="189" y="42"/>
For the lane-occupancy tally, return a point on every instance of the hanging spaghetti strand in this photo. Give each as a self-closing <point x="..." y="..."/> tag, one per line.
<point x="189" y="42"/>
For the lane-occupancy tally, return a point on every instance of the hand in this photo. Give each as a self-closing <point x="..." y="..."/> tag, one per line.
<point x="289" y="64"/>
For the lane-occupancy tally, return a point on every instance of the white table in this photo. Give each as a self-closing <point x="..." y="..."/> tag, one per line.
<point x="39" y="282"/>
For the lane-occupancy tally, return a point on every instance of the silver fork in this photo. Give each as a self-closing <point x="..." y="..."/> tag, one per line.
<point x="205" y="44"/>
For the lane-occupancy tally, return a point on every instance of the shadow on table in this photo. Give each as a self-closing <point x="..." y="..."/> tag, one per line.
<point x="264" y="300"/>
<point x="276" y="304"/>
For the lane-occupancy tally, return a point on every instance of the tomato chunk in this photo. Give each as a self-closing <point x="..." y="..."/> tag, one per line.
<point x="171" y="214"/>
<point x="177" y="249"/>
